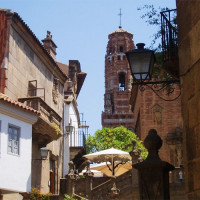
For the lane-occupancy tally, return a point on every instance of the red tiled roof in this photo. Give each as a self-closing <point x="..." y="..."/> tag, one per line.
<point x="17" y="104"/>
<point x="120" y="30"/>
<point x="63" y="67"/>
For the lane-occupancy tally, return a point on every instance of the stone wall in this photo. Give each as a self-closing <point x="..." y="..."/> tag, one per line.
<point x="189" y="57"/>
<point x="151" y="112"/>
<point x="24" y="62"/>
<point x="126" y="183"/>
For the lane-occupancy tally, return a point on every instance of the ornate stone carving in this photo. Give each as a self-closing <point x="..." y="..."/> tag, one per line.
<point x="157" y="114"/>
<point x="55" y="91"/>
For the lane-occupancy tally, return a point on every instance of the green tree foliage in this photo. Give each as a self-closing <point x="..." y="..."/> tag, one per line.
<point x="152" y="17"/>
<point x="119" y="138"/>
<point x="36" y="194"/>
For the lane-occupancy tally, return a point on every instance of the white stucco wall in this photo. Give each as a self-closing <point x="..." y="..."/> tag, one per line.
<point x="69" y="117"/>
<point x="73" y="139"/>
<point x="66" y="153"/>
<point x="15" y="170"/>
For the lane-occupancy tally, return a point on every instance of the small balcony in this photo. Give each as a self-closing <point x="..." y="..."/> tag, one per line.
<point x="78" y="139"/>
<point x="77" y="144"/>
<point x="170" y="42"/>
<point x="47" y="128"/>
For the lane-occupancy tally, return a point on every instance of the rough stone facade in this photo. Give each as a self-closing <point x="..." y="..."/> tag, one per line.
<point x="117" y="110"/>
<point x="188" y="20"/>
<point x="29" y="74"/>
<point x="151" y="112"/>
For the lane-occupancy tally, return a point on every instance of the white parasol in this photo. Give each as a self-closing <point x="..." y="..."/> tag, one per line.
<point x="105" y="168"/>
<point x="109" y="155"/>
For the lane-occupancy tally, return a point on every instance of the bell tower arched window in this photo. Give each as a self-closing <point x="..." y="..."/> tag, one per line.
<point x="122" y="81"/>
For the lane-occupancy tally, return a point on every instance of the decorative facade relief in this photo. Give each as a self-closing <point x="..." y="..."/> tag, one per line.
<point x="55" y="91"/>
<point x="157" y="114"/>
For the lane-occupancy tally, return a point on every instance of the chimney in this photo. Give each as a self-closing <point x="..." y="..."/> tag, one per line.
<point x="49" y="45"/>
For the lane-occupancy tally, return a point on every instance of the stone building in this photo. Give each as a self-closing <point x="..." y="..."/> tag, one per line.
<point x="75" y="133"/>
<point x="156" y="106"/>
<point x="150" y="112"/>
<point x="16" y="122"/>
<point x="188" y="20"/>
<point x="30" y="74"/>
<point x="117" y="110"/>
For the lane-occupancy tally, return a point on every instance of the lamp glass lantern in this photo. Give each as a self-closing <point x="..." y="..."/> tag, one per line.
<point x="141" y="62"/>
<point x="44" y="152"/>
<point x="69" y="128"/>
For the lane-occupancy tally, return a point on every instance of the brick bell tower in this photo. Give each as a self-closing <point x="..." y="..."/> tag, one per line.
<point x="118" y="81"/>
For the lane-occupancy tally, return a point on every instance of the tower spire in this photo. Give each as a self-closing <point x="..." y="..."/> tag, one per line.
<point x="120" y="18"/>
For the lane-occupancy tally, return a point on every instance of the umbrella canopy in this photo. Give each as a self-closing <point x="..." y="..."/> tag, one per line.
<point x="108" y="155"/>
<point x="97" y="173"/>
<point x="120" y="169"/>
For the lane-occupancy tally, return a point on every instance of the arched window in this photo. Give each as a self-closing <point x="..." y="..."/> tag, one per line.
<point x="122" y="81"/>
<point x="121" y="48"/>
<point x="110" y="50"/>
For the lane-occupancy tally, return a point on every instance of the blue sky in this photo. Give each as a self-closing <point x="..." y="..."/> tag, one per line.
<point x="80" y="29"/>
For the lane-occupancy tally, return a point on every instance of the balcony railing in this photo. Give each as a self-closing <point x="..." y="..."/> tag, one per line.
<point x="169" y="35"/>
<point x="37" y="92"/>
<point x="49" y="121"/>
<point x="78" y="139"/>
<point x="40" y="105"/>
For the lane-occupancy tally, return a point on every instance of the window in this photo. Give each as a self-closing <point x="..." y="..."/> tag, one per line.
<point x="13" y="139"/>
<point x="108" y="102"/>
<point x="110" y="50"/>
<point x="121" y="48"/>
<point x="121" y="82"/>
<point x="32" y="88"/>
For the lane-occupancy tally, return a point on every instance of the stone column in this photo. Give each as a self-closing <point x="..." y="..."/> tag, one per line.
<point x="114" y="194"/>
<point x="153" y="172"/>
<point x="71" y="177"/>
<point x="88" y="177"/>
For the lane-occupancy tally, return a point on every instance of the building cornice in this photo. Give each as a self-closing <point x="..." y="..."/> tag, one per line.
<point x="17" y="113"/>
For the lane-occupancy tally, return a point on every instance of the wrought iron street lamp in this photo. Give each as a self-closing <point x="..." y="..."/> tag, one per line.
<point x="44" y="153"/>
<point x="69" y="128"/>
<point x="141" y="63"/>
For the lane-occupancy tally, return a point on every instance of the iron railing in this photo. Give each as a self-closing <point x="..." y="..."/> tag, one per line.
<point x="39" y="104"/>
<point x="169" y="35"/>
<point x="78" y="139"/>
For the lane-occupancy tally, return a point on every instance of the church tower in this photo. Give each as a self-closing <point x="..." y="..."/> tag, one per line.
<point x="118" y="81"/>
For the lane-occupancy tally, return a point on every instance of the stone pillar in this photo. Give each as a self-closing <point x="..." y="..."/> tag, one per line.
<point x="88" y="177"/>
<point x="153" y="172"/>
<point x="114" y="194"/>
<point x="71" y="177"/>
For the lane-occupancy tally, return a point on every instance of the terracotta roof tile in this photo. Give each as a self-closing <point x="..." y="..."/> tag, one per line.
<point x="63" y="67"/>
<point x="17" y="104"/>
<point x="120" y="30"/>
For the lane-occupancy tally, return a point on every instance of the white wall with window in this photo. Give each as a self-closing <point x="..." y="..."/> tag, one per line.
<point x="15" y="148"/>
